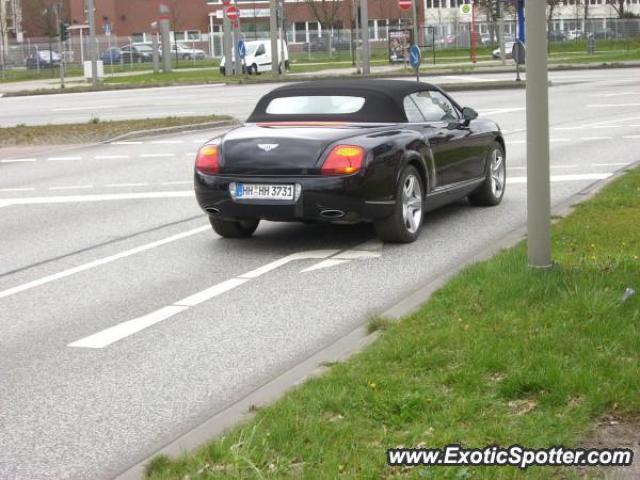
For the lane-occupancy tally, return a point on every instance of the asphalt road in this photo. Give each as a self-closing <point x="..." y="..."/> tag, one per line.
<point x="107" y="351"/>
<point x="237" y="100"/>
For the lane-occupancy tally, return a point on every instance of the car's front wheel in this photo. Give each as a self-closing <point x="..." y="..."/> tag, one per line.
<point x="403" y="226"/>
<point x="234" y="228"/>
<point x="491" y="191"/>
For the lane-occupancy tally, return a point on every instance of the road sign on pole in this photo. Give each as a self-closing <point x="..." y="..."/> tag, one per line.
<point x="242" y="49"/>
<point x="538" y="177"/>
<point x="405" y="4"/>
<point x="364" y="19"/>
<point x="233" y="13"/>
<point x="415" y="58"/>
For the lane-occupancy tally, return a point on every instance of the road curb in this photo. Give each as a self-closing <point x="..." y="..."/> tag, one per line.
<point x="169" y="130"/>
<point x="341" y="349"/>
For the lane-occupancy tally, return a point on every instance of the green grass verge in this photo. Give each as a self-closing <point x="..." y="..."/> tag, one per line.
<point x="93" y="131"/>
<point x="502" y="354"/>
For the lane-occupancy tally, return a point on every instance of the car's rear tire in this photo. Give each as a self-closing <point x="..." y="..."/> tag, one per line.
<point x="234" y="228"/>
<point x="491" y="191"/>
<point x="403" y="226"/>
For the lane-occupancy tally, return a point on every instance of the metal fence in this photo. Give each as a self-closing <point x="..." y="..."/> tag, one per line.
<point x="312" y="43"/>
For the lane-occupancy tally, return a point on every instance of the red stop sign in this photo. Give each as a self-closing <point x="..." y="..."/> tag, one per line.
<point x="405" y="4"/>
<point x="233" y="13"/>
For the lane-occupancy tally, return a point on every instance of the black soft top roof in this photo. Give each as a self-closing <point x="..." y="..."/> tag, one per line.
<point x="383" y="100"/>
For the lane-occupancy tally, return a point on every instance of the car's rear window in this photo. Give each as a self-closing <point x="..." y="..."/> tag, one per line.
<point x="315" y="105"/>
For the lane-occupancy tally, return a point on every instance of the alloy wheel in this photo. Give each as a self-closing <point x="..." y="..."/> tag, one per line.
<point x="412" y="203"/>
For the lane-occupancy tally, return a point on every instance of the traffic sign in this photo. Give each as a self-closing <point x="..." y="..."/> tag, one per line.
<point x="414" y="56"/>
<point x="233" y="13"/>
<point x="242" y="49"/>
<point x="405" y="4"/>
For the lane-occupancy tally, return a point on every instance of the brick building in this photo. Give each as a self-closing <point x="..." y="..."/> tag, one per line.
<point x="195" y="19"/>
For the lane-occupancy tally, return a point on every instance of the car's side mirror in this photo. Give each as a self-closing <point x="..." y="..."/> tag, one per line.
<point x="469" y="114"/>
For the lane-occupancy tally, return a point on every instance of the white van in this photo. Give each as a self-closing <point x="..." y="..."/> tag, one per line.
<point x="258" y="57"/>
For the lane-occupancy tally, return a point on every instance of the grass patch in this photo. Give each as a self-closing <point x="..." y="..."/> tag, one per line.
<point x="502" y="354"/>
<point x="95" y="130"/>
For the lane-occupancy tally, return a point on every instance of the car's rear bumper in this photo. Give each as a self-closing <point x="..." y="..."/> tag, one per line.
<point x="341" y="199"/>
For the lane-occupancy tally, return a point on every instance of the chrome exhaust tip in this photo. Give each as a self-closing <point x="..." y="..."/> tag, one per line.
<point x="332" y="214"/>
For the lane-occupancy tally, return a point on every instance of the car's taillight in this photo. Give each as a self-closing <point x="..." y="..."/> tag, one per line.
<point x="207" y="160"/>
<point x="343" y="160"/>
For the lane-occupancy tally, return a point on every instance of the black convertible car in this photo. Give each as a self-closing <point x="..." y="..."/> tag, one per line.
<point x="381" y="151"/>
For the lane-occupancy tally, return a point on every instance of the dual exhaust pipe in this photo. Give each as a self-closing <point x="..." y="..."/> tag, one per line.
<point x="329" y="214"/>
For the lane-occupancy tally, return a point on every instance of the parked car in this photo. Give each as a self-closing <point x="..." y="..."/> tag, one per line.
<point x="508" y="48"/>
<point x="556" y="36"/>
<point x="258" y="57"/>
<point x="137" y="53"/>
<point x="350" y="151"/>
<point x="184" y="52"/>
<point x="43" y="59"/>
<point x="112" y="56"/>
<point x="339" y="44"/>
<point x="575" y="34"/>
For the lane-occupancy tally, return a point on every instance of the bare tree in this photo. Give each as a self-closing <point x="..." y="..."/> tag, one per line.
<point x="619" y="7"/>
<point x="326" y="12"/>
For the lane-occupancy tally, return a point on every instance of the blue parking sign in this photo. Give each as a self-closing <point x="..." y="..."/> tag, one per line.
<point x="414" y="56"/>
<point x="242" y="49"/>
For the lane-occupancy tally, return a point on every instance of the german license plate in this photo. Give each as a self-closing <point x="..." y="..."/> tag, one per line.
<point x="259" y="191"/>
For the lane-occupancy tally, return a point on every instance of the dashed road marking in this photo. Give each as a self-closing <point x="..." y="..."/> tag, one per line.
<point x="18" y="160"/>
<point x="121" y="185"/>
<point x="110" y="157"/>
<point x="101" y="261"/>
<point x="5" y="202"/>
<point x="127" y="143"/>
<point x="63" y="159"/>
<point x="17" y="189"/>
<point x="631" y="137"/>
<point x="71" y="187"/>
<point x="590" y="139"/>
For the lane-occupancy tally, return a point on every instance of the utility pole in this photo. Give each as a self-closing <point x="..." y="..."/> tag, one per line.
<point x="227" y="41"/>
<point x="414" y="12"/>
<point x="61" y="33"/>
<point x="538" y="177"/>
<point x="92" y="42"/>
<point x="165" y="28"/>
<point x="364" y="14"/>
<point x="273" y="26"/>
<point x="500" y="12"/>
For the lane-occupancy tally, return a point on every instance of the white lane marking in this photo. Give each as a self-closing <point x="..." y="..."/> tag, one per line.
<point x="498" y="111"/>
<point x="72" y="109"/>
<point x="559" y="139"/>
<point x="63" y="159"/>
<point x="93" y="198"/>
<point x="598" y="127"/>
<point x="512" y="142"/>
<point x="631" y="137"/>
<point x="127" y="143"/>
<point x="620" y="164"/>
<point x="20" y="189"/>
<point x="589" y="139"/>
<point x="613" y="105"/>
<point x="331" y="262"/>
<point x="71" y="187"/>
<point x="619" y="94"/>
<point x="211" y="292"/>
<point x="110" y="157"/>
<point x="178" y="182"/>
<point x="568" y="128"/>
<point x="101" y="261"/>
<point x="565" y="178"/>
<point x="199" y="140"/>
<point x="166" y="142"/>
<point x="155" y="155"/>
<point x="18" y="160"/>
<point x="563" y="166"/>
<point x="119" y="185"/>
<point x="283" y="261"/>
<point x="122" y="330"/>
